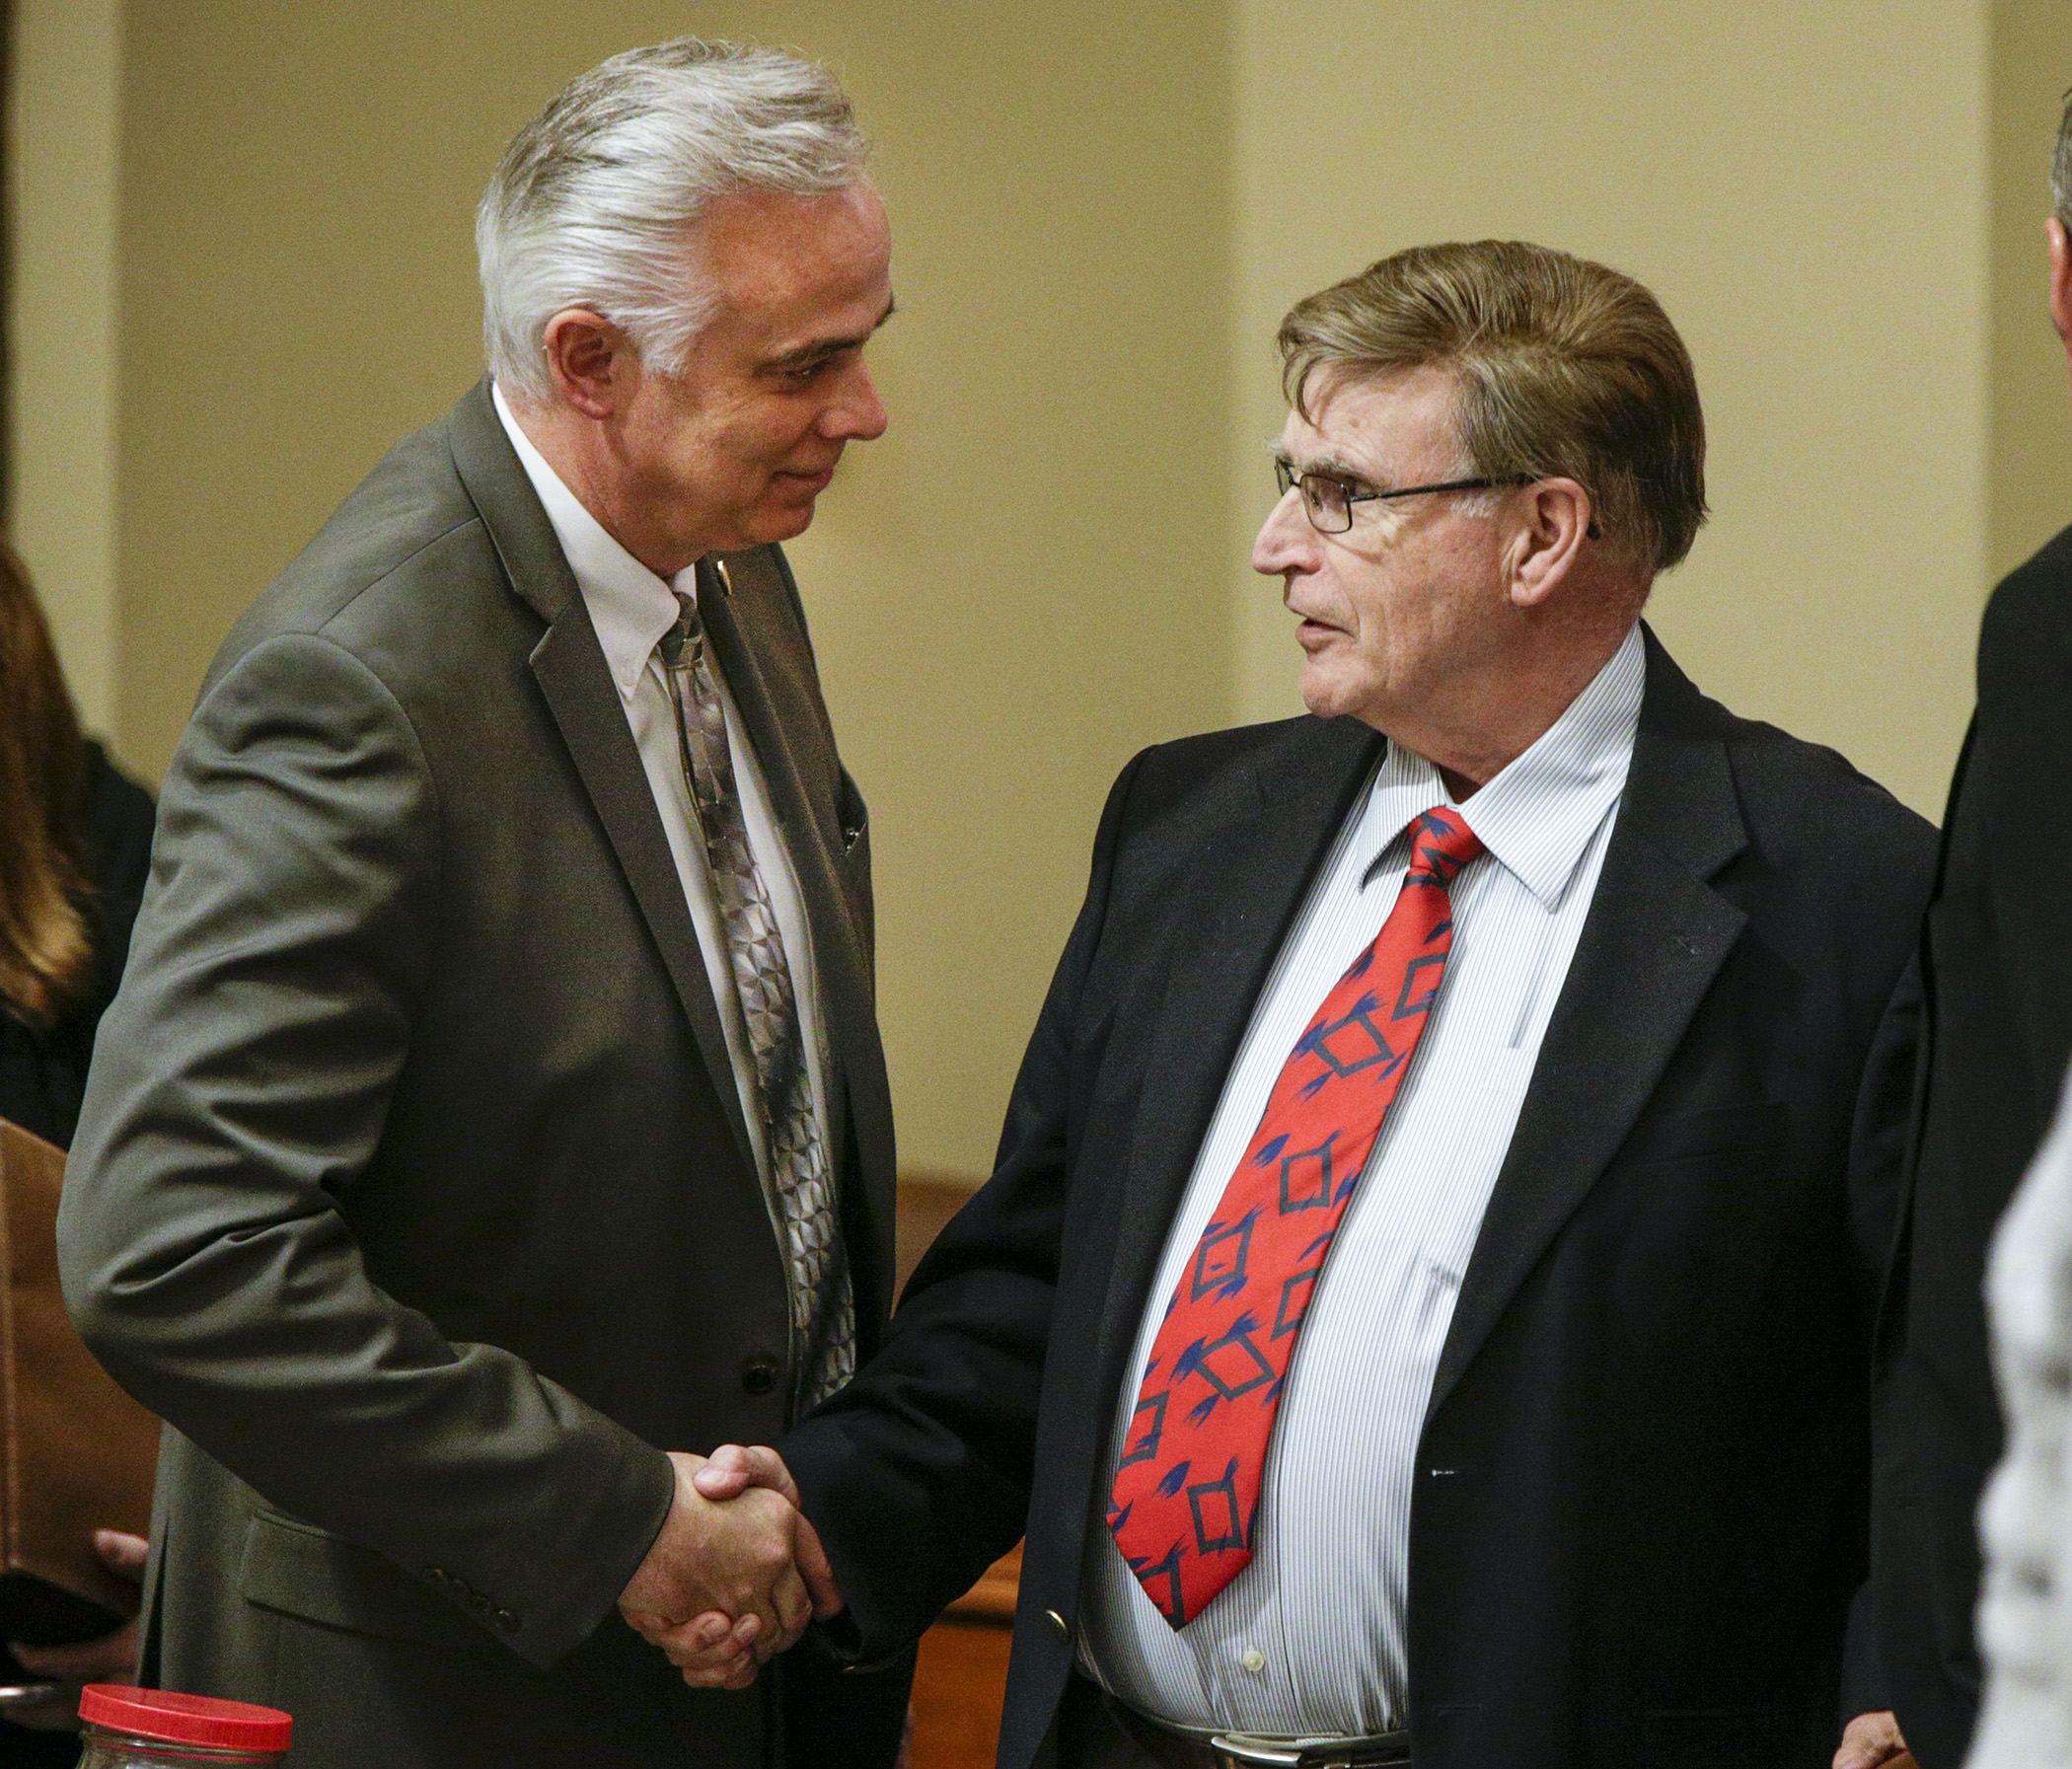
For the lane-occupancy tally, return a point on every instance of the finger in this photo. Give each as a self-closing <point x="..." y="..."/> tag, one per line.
<point x="1871" y="1741"/>
<point x="727" y="1664"/>
<point x="720" y="1481"/>
<point x="794" y="1609"/>
<point x="762" y="1465"/>
<point x="112" y="1659"/>
<point x="121" y="1552"/>
<point x="812" y="1562"/>
<point x="715" y="1658"/>
<point x="772" y="1636"/>
<point x="702" y="1631"/>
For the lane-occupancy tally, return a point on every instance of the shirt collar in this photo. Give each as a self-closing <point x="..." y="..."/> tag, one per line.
<point x="1537" y="816"/>
<point x="629" y="606"/>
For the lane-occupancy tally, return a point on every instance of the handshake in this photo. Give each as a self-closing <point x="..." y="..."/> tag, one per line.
<point x="736" y="1574"/>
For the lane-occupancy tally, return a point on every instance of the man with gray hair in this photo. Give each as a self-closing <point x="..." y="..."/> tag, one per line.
<point x="1996" y="960"/>
<point x="493" y="1109"/>
<point x="1423" y="1304"/>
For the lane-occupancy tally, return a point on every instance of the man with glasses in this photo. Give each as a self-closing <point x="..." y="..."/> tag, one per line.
<point x="1425" y="1292"/>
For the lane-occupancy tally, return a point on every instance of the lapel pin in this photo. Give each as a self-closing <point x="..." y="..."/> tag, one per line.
<point x="726" y="583"/>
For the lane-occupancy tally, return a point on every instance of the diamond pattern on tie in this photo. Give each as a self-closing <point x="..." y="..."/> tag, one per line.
<point x="1211" y="1387"/>
<point x="822" y="1308"/>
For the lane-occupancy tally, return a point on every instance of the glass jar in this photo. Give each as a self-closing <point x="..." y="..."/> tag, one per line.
<point x="157" y="1728"/>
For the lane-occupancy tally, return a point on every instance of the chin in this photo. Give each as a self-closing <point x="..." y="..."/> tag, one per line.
<point x="1322" y="696"/>
<point x="764" y="528"/>
<point x="787" y="520"/>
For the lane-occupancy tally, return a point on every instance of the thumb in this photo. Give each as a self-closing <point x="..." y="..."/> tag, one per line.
<point x="732" y="1470"/>
<point x="1869" y="1740"/>
<point x="121" y="1552"/>
<point x="811" y="1558"/>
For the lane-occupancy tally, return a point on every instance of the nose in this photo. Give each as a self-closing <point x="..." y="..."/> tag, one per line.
<point x="1287" y="543"/>
<point x="855" y="413"/>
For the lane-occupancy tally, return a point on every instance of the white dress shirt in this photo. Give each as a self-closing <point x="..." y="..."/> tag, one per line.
<point x="2025" y="1612"/>
<point x="631" y="609"/>
<point x="1309" y="1638"/>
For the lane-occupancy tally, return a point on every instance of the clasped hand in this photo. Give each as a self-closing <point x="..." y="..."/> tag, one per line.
<point x="736" y="1574"/>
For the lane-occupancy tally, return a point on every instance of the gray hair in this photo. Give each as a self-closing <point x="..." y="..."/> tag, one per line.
<point x="594" y="202"/>
<point x="2061" y="168"/>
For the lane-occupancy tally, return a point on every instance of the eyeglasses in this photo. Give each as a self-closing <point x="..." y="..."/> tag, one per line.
<point x="1329" y="501"/>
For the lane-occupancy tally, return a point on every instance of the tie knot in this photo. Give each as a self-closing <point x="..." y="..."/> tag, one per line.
<point x="1440" y="844"/>
<point x="685" y="636"/>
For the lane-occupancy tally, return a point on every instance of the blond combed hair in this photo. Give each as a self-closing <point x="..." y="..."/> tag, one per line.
<point x="46" y="946"/>
<point x="1564" y="369"/>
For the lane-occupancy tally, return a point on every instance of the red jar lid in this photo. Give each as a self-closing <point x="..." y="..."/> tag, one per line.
<point x="185" y="1718"/>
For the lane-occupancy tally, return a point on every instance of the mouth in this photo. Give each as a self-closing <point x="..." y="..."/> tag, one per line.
<point x="811" y="483"/>
<point x="1312" y="630"/>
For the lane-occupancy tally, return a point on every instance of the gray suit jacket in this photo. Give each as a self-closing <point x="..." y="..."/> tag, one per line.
<point x="412" y="1186"/>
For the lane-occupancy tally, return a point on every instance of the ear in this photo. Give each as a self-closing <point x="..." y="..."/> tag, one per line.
<point x="2060" y="278"/>
<point x="592" y="363"/>
<point x="1557" y="524"/>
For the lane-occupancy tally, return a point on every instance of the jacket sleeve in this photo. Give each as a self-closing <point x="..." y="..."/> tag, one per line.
<point x="240" y="1087"/>
<point x="2022" y="776"/>
<point x="917" y="1475"/>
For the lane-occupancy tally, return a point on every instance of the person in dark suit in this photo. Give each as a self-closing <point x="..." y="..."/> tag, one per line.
<point x="75" y="842"/>
<point x="1996" y="962"/>
<point x="493" y="1109"/>
<point x="1425" y="1292"/>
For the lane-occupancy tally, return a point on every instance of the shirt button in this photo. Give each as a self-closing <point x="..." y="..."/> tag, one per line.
<point x="1252" y="1659"/>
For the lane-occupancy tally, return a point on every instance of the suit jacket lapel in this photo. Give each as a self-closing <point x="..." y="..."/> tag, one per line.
<point x="569" y="666"/>
<point x="1655" y="939"/>
<point x="1258" y="851"/>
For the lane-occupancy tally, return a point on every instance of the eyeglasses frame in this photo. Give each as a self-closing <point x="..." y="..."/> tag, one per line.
<point x="1288" y="480"/>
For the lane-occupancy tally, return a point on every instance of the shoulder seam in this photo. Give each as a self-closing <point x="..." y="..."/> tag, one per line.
<point x="473" y="520"/>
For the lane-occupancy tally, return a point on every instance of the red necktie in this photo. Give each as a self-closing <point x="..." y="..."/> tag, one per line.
<point x="1184" y="1510"/>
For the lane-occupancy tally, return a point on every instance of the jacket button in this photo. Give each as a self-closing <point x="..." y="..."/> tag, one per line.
<point x="507" y="1621"/>
<point x="1059" y="1625"/>
<point x="759" y="1376"/>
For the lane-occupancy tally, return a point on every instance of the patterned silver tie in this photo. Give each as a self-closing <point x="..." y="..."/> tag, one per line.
<point x="823" y="1307"/>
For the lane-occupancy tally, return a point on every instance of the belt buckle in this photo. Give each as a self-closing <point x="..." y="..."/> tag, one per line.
<point x="1244" y="1750"/>
<point x="1248" y="1750"/>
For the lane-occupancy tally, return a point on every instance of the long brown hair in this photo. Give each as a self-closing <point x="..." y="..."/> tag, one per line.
<point x="46" y="952"/>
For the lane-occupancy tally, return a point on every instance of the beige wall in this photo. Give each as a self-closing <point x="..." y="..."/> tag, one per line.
<point x="1801" y="185"/>
<point x="61" y="131"/>
<point x="2028" y="475"/>
<point x="251" y="224"/>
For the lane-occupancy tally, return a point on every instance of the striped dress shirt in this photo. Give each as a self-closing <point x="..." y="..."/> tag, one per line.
<point x="1310" y="1636"/>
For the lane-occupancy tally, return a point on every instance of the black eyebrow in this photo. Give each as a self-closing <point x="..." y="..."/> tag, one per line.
<point x="820" y="348"/>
